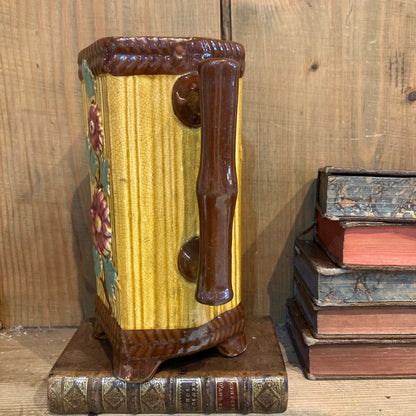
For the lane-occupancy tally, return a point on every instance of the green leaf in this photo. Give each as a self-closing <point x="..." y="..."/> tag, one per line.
<point x="110" y="276"/>
<point x="88" y="78"/>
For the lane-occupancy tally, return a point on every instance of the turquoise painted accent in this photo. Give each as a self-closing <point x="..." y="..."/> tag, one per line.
<point x="110" y="276"/>
<point x="104" y="168"/>
<point x="97" y="261"/>
<point x="88" y="78"/>
<point x="92" y="160"/>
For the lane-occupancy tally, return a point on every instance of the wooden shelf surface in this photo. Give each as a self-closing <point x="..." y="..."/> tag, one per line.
<point x="27" y="355"/>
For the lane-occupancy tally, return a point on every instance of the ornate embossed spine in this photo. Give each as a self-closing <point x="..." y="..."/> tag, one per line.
<point x="175" y="395"/>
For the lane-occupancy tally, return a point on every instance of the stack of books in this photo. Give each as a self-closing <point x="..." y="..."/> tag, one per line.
<point x="354" y="313"/>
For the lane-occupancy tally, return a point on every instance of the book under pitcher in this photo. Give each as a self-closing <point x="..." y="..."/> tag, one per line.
<point x="81" y="380"/>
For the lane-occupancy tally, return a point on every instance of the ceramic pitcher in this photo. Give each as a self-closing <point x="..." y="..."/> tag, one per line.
<point x="163" y="142"/>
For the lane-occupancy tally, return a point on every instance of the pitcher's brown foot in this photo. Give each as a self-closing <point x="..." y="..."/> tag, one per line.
<point x="233" y="346"/>
<point x="136" y="370"/>
<point x="98" y="330"/>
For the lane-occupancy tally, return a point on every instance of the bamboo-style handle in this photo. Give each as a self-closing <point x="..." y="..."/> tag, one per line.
<point x="217" y="178"/>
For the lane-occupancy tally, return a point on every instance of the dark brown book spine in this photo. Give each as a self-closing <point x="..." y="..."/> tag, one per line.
<point x="263" y="394"/>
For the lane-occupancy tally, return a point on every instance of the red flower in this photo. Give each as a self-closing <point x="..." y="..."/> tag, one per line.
<point x="101" y="222"/>
<point x="95" y="130"/>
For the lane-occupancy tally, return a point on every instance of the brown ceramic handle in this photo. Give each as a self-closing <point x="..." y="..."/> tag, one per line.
<point x="217" y="178"/>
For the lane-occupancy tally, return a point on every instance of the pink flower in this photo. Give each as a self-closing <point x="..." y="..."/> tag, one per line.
<point x="101" y="222"/>
<point x="95" y="130"/>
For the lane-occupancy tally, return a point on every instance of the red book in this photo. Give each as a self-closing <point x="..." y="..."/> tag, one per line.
<point x="372" y="244"/>
<point x="325" y="358"/>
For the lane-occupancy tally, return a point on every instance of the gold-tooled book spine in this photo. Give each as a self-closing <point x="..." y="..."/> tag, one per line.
<point x="168" y="395"/>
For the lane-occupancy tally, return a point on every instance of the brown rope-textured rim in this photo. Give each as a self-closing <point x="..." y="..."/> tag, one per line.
<point x="121" y="56"/>
<point x="137" y="354"/>
<point x="168" y="343"/>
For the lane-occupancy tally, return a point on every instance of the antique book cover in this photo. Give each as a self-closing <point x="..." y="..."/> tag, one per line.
<point x="384" y="195"/>
<point x="325" y="358"/>
<point x="366" y="319"/>
<point x="367" y="244"/>
<point x="332" y="285"/>
<point x="81" y="380"/>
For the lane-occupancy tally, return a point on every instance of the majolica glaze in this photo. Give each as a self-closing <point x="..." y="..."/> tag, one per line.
<point x="164" y="149"/>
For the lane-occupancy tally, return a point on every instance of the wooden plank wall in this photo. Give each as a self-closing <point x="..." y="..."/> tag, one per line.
<point x="46" y="269"/>
<point x="327" y="83"/>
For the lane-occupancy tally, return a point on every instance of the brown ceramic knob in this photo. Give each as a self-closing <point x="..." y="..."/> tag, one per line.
<point x="188" y="259"/>
<point x="185" y="99"/>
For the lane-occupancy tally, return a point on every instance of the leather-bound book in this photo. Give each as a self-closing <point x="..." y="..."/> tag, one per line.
<point x="365" y="319"/>
<point x="82" y="381"/>
<point x="371" y="244"/>
<point x="353" y="357"/>
<point x="368" y="195"/>
<point x="330" y="284"/>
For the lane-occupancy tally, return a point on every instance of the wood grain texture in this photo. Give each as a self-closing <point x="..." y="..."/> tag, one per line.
<point x="326" y="83"/>
<point x="32" y="353"/>
<point x="46" y="269"/>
